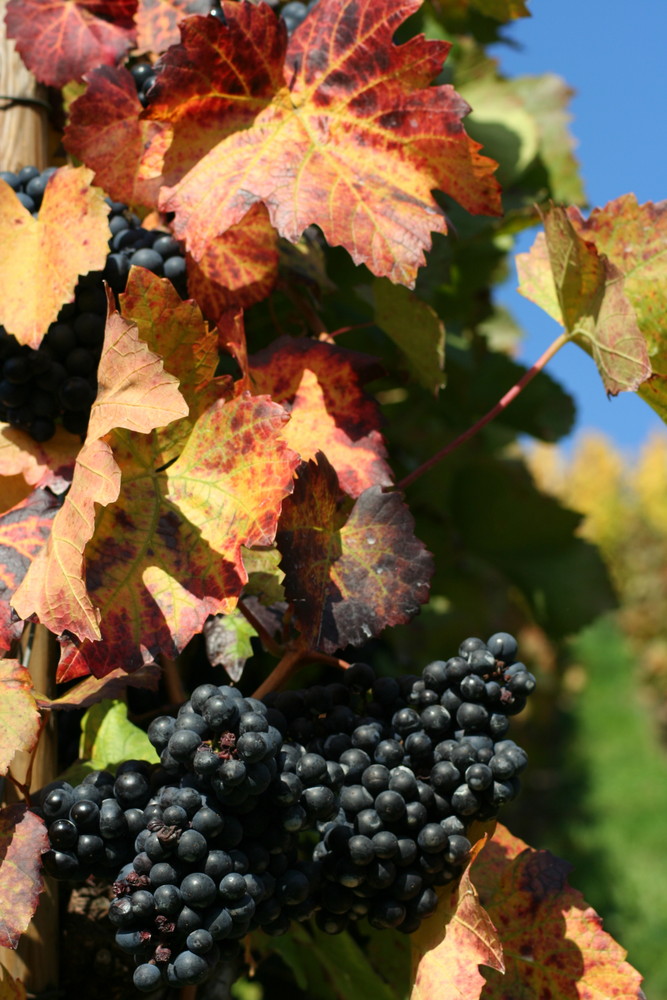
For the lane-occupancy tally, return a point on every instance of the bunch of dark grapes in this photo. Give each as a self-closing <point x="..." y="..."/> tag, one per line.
<point x="58" y="381"/>
<point x="390" y="772"/>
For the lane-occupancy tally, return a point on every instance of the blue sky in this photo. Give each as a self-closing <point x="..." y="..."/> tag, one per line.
<point x="614" y="55"/>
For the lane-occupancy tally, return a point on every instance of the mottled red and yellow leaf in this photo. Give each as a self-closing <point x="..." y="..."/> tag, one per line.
<point x="450" y="946"/>
<point x="349" y="575"/>
<point x="336" y="127"/>
<point x="105" y="132"/>
<point x="114" y="686"/>
<point x="23" y="839"/>
<point x="19" y="717"/>
<point x="321" y="386"/>
<point x="158" y="20"/>
<point x="42" y="258"/>
<point x="60" y="40"/>
<point x="168" y="553"/>
<point x="134" y="393"/>
<point x="554" y="943"/>
<point x="24" y="530"/>
<point x="237" y="268"/>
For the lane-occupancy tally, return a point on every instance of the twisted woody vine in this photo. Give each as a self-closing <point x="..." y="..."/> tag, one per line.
<point x="283" y="547"/>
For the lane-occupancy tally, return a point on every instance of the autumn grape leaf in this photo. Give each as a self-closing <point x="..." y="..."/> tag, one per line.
<point x="321" y="387"/>
<point x="554" y="943"/>
<point x="24" y="529"/>
<point x="112" y="687"/>
<point x="158" y="20"/>
<point x="632" y="237"/>
<point x="585" y="291"/>
<point x="167" y="554"/>
<point x="23" y="839"/>
<point x="175" y="331"/>
<point x="349" y="573"/>
<point x="449" y="947"/>
<point x="499" y="10"/>
<point x="134" y="393"/>
<point x="105" y="132"/>
<point x="415" y="328"/>
<point x="19" y="718"/>
<point x="238" y="268"/>
<point x="60" y="40"/>
<point x="337" y="126"/>
<point x="228" y="643"/>
<point x="42" y="258"/>
<point x="10" y="988"/>
<point x="48" y="463"/>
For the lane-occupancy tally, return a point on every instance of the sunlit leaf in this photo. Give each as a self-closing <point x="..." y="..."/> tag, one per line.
<point x="69" y="238"/>
<point x="19" y="718"/>
<point x="23" y="839"/>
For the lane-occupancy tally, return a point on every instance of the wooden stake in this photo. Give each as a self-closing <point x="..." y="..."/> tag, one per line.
<point x="23" y="127"/>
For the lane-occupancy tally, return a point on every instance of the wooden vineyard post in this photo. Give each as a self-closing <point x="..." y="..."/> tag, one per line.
<point x="23" y="126"/>
<point x="24" y="142"/>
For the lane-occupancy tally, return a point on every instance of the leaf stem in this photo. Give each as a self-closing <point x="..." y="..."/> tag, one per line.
<point x="267" y="640"/>
<point x="502" y="404"/>
<point x="280" y="673"/>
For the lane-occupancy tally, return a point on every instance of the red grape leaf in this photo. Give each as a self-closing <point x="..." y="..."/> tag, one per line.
<point x="24" y="529"/>
<point x="134" y="393"/>
<point x="10" y="988"/>
<point x="23" y="839"/>
<point x="337" y="127"/>
<point x="158" y="21"/>
<point x="60" y="40"/>
<point x="349" y="576"/>
<point x="43" y="258"/>
<point x="320" y="385"/>
<point x="583" y="289"/>
<point x="19" y="718"/>
<point x="49" y="463"/>
<point x="238" y="268"/>
<point x="106" y="133"/>
<point x="449" y="947"/>
<point x="111" y="687"/>
<point x="554" y="943"/>
<point x="168" y="553"/>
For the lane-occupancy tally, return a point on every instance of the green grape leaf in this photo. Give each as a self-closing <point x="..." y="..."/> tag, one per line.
<point x="108" y="737"/>
<point x="415" y="328"/>
<point x="228" y="642"/>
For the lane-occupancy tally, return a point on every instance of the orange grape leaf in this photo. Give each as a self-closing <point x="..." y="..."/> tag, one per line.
<point x="112" y="687"/>
<point x="134" y="390"/>
<point x="337" y="126"/>
<point x="48" y="463"/>
<point x="167" y="554"/>
<point x="60" y="40"/>
<point x="10" y="988"/>
<point x="321" y="387"/>
<point x="158" y="20"/>
<point x="19" y="718"/>
<point x="105" y="132"/>
<point x="23" y="839"/>
<point x="176" y="331"/>
<point x="349" y="575"/>
<point x="583" y="289"/>
<point x="449" y="947"/>
<point x="134" y="393"/>
<point x="24" y="530"/>
<point x="232" y="339"/>
<point x="238" y="268"/>
<point x="49" y="254"/>
<point x="554" y="943"/>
